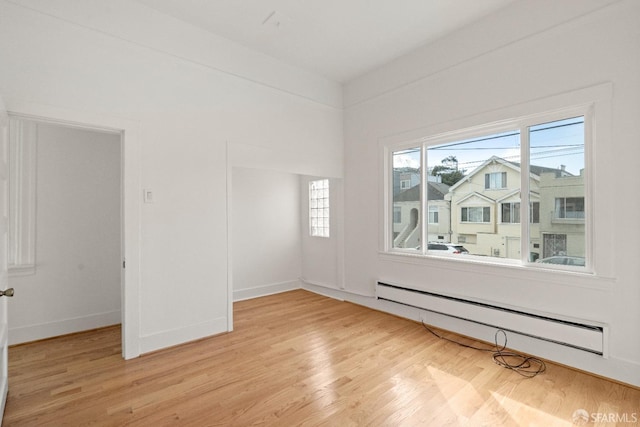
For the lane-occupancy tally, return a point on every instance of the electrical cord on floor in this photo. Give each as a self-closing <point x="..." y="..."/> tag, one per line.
<point x="527" y="366"/>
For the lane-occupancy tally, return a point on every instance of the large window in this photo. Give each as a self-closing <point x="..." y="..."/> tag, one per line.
<point x="319" y="208"/>
<point x="473" y="189"/>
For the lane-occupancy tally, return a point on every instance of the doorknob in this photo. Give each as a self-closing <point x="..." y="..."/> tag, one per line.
<point x="7" y="293"/>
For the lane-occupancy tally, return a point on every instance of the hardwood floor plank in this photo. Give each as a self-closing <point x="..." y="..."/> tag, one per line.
<point x="295" y="358"/>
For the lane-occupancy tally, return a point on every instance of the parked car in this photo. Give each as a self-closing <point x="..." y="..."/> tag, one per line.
<point x="449" y="247"/>
<point x="576" y="261"/>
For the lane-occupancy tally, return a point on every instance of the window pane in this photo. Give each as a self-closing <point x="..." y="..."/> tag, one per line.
<point x="476" y="178"/>
<point x="557" y="157"/>
<point x="406" y="198"/>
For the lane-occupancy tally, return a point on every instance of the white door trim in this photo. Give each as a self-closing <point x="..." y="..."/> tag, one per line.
<point x="131" y="203"/>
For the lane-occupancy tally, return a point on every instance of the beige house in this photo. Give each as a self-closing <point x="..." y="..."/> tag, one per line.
<point x="562" y="215"/>
<point x="485" y="211"/>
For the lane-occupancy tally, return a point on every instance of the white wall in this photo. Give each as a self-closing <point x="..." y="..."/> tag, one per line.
<point x="196" y="101"/>
<point x="533" y="54"/>
<point x="76" y="285"/>
<point x="265" y="237"/>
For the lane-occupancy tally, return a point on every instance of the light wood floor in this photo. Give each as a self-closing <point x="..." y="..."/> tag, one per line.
<point x="296" y="359"/>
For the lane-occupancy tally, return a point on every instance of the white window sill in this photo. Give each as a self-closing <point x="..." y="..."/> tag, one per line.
<point x="503" y="267"/>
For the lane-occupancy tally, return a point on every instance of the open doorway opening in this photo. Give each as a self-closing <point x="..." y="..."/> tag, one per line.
<point x="66" y="266"/>
<point x="273" y="247"/>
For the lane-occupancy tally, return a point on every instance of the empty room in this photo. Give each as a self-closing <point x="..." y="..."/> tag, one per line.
<point x="343" y="213"/>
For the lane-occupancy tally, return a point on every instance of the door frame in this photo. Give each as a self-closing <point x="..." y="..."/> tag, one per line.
<point x="130" y="201"/>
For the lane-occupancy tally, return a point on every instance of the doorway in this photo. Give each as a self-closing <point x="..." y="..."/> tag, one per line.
<point x="129" y="162"/>
<point x="64" y="256"/>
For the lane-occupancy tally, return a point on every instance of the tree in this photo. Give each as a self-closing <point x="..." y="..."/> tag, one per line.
<point x="448" y="171"/>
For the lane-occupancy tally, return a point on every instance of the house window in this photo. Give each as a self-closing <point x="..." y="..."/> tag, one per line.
<point x="569" y="208"/>
<point x="397" y="214"/>
<point x="534" y="212"/>
<point x="511" y="213"/>
<point x="495" y="180"/>
<point x="405" y="184"/>
<point x="475" y="214"/>
<point x="319" y="208"/>
<point x="541" y="157"/>
<point x="433" y="215"/>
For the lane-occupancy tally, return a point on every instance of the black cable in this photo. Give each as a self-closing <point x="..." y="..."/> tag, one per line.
<point x="527" y="366"/>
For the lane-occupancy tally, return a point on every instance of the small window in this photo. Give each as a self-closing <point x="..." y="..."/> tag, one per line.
<point x="433" y="215"/>
<point x="397" y="214"/>
<point x="319" y="208"/>
<point x="404" y="184"/>
<point x="495" y="180"/>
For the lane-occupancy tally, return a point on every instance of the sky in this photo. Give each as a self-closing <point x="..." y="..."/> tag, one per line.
<point x="551" y="145"/>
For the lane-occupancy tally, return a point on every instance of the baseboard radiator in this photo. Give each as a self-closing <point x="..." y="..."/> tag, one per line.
<point x="576" y="334"/>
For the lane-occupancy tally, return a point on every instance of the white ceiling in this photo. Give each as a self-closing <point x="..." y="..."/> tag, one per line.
<point x="339" y="39"/>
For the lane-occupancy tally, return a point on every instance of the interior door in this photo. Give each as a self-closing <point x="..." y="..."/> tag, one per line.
<point x="4" y="278"/>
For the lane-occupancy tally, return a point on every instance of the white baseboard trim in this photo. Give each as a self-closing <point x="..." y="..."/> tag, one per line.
<point x="41" y="331"/>
<point x="178" y="336"/>
<point x="264" y="290"/>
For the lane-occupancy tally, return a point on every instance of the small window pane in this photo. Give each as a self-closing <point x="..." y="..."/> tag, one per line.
<point x="474" y="176"/>
<point x="406" y="198"/>
<point x="557" y="157"/>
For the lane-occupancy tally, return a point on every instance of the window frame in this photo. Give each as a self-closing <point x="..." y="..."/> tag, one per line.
<point x="521" y="124"/>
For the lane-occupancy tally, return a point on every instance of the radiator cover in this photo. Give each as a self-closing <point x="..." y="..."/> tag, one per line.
<point x="582" y="335"/>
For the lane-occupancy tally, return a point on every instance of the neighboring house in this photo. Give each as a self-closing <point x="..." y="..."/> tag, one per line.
<point x="562" y="215"/>
<point x="485" y="213"/>
<point x="405" y="178"/>
<point x="407" y="218"/>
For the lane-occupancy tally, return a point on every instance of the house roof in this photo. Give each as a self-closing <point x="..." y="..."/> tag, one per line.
<point x="476" y="195"/>
<point x="534" y="170"/>
<point x="539" y="170"/>
<point x="435" y="191"/>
